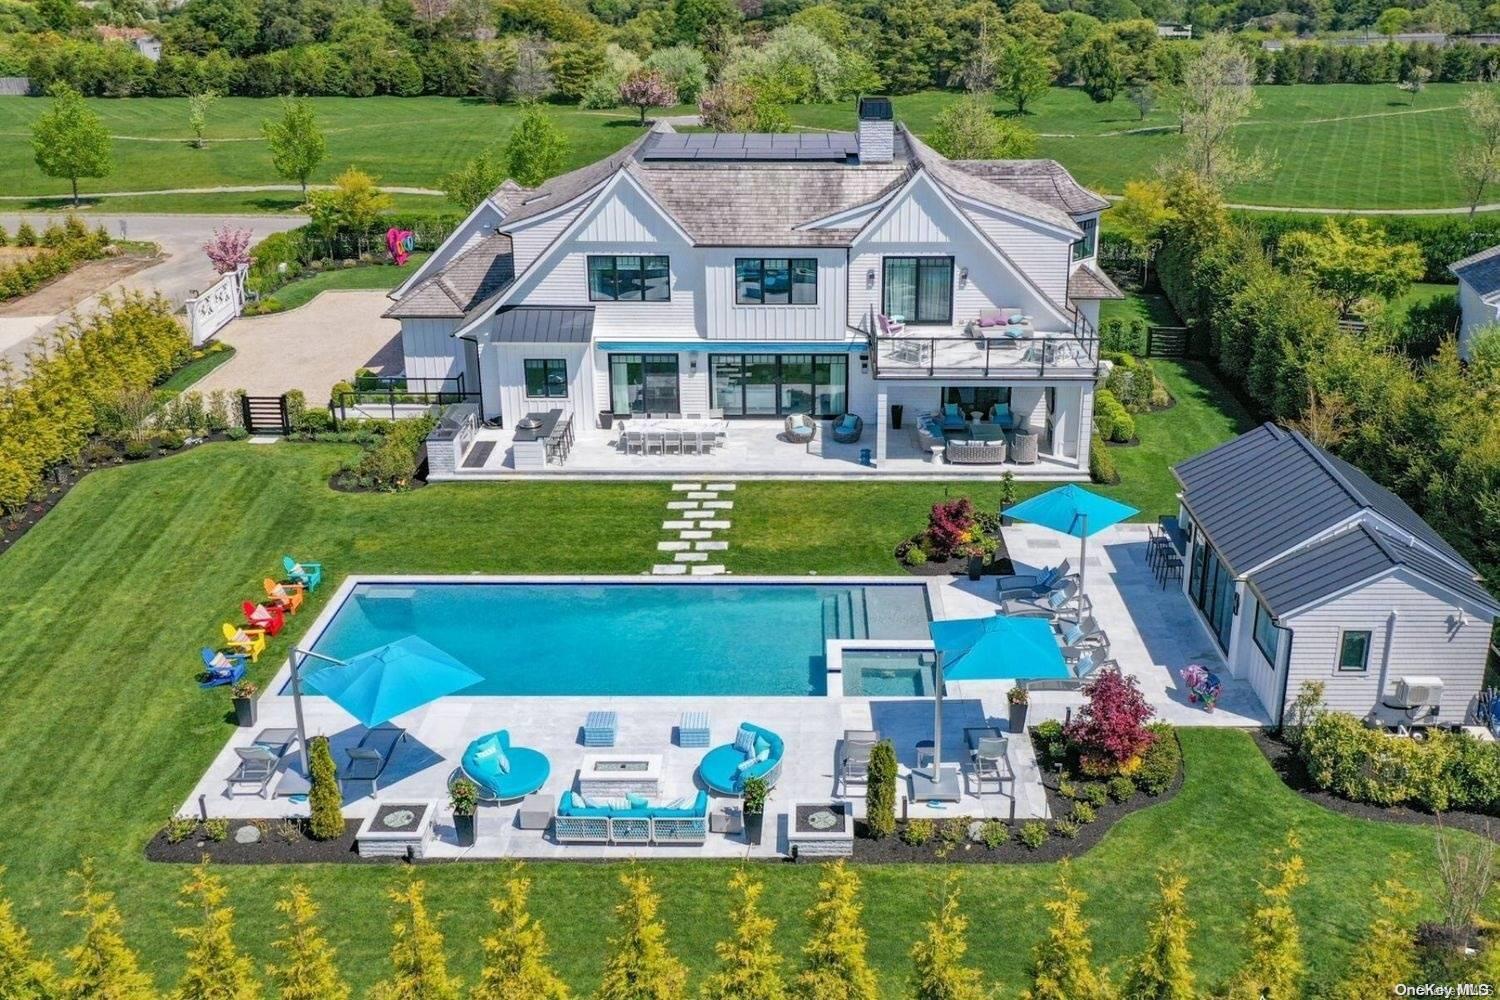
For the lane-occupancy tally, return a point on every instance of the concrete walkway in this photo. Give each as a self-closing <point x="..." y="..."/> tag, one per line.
<point x="310" y="347"/>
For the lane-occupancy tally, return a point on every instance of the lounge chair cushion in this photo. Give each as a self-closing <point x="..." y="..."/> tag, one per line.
<point x="1072" y="634"/>
<point x="744" y="740"/>
<point x="745" y="765"/>
<point x="1057" y="599"/>
<point x="635" y="800"/>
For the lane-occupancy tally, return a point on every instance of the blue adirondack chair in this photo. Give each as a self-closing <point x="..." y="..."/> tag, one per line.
<point x="221" y="668"/>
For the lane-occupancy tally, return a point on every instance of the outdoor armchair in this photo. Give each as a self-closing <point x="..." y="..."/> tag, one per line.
<point x="504" y="772"/>
<point x="287" y="595"/>
<point x="800" y="428"/>
<point x="269" y="617"/>
<point x="725" y="769"/>
<point x="848" y="428"/>
<point x="221" y="668"/>
<point x="250" y="641"/>
<point x="307" y="574"/>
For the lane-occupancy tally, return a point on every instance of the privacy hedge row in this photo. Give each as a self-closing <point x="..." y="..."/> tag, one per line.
<point x="62" y="249"/>
<point x="1443" y="239"/>
<point x="1457" y="63"/>
<point x="283" y="257"/>
<point x="1446" y="771"/>
<point x="394" y="460"/>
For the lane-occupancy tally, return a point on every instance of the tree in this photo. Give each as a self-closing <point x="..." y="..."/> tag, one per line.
<point x="199" y="105"/>
<point x="1388" y="952"/>
<point x="324" y="800"/>
<point x="647" y="88"/>
<point x="1142" y="94"/>
<point x="536" y="148"/>
<point x="684" y="69"/>
<point x="1165" y="969"/>
<point x="354" y="205"/>
<point x="749" y="968"/>
<point x="307" y="970"/>
<point x="834" y="964"/>
<point x="296" y="141"/>
<point x="1393" y="21"/>
<point x="1353" y="260"/>
<point x="1110" y="730"/>
<point x="515" y="955"/>
<point x="419" y="965"/>
<point x="1141" y="216"/>
<point x="1101" y="64"/>
<point x="1414" y="81"/>
<point x="473" y="182"/>
<point x="880" y="790"/>
<point x="69" y="140"/>
<point x="938" y="970"/>
<point x="216" y="969"/>
<point x="1275" y="966"/>
<point x="23" y="974"/>
<point x="640" y="965"/>
<point x="1022" y="74"/>
<point x="1062" y="963"/>
<point x="738" y="107"/>
<point x="102" y="964"/>
<point x="228" y="249"/>
<point x="1477" y="162"/>
<point x="968" y="130"/>
<point x="1215" y="97"/>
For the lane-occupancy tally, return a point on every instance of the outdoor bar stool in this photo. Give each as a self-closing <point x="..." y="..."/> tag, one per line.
<point x="599" y="729"/>
<point x="692" y="729"/>
<point x="1171" y="569"/>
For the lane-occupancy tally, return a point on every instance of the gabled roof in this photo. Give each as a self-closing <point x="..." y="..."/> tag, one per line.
<point x="558" y="191"/>
<point x="1480" y="271"/>
<point x="1088" y="282"/>
<point x="969" y="185"/>
<point x="1354" y="557"/>
<point x="473" y="276"/>
<point x="1046" y="181"/>
<point x="1265" y="498"/>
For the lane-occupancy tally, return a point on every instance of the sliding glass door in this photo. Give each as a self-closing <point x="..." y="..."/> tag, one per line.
<point x="1212" y="589"/>
<point x="643" y="383"/>
<point x="775" y="385"/>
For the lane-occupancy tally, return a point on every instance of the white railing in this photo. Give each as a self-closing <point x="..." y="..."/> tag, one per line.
<point x="210" y="311"/>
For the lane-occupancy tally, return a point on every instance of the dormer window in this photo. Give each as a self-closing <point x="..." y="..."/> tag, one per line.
<point x="1084" y="249"/>
<point x="620" y="278"/>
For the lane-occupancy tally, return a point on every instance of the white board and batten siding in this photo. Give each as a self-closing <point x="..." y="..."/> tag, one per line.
<point x="726" y="319"/>
<point x="505" y="382"/>
<point x="1415" y="631"/>
<point x="429" y="349"/>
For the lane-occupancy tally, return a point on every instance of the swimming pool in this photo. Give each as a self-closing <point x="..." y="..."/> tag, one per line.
<point x="888" y="673"/>
<point x="630" y="638"/>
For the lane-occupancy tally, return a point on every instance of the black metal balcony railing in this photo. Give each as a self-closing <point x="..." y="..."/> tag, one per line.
<point x="398" y="396"/>
<point x="956" y="355"/>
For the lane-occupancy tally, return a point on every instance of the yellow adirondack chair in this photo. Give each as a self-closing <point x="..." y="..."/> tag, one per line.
<point x="251" y="641"/>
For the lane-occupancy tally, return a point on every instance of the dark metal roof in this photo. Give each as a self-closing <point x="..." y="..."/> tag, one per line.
<point x="835" y="146"/>
<point x="1351" y="558"/>
<point x="1480" y="271"/>
<point x="543" y="325"/>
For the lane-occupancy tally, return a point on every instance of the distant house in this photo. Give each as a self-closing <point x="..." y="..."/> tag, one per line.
<point x="1478" y="293"/>
<point x="139" y="39"/>
<point x="1174" y="31"/>
<point x="1304" y="569"/>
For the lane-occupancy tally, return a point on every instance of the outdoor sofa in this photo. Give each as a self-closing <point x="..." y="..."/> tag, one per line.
<point x="724" y="769"/>
<point x="634" y="820"/>
<point x="961" y="452"/>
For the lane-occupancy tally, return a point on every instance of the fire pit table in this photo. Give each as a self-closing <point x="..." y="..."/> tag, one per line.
<point x="396" y="830"/>
<point x="820" y="829"/>
<point x="612" y="775"/>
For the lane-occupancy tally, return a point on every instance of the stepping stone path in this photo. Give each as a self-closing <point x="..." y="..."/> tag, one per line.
<point x="695" y="512"/>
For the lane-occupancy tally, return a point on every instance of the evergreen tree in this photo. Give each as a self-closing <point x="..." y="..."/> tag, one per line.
<point x="1164" y="971"/>
<point x="23" y="975"/>
<point x="880" y="790"/>
<point x="1388" y="952"/>
<point x="324" y="800"/>
<point x="938" y="971"/>
<point x="536" y="148"/>
<point x="216" y="970"/>
<point x="834" y="963"/>
<point x="102" y="966"/>
<point x="640" y="966"/>
<point x="307" y="971"/>
<point x="1062" y="963"/>
<point x="1275" y="967"/>
<point x="515" y="956"/>
<point x="749" y="968"/>
<point x="419" y="964"/>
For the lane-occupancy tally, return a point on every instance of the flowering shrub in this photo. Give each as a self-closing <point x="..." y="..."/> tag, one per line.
<point x="647" y="88"/>
<point x="228" y="249"/>
<point x="1110" y="731"/>
<point x="950" y="526"/>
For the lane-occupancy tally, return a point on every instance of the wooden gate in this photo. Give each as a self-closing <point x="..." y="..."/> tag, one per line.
<point x="265" y="414"/>
<point x="1166" y="342"/>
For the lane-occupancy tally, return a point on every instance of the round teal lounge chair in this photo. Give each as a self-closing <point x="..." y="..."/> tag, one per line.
<point x="720" y="768"/>
<point x="524" y="770"/>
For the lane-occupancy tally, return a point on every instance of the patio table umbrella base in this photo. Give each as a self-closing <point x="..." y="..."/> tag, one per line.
<point x="944" y="786"/>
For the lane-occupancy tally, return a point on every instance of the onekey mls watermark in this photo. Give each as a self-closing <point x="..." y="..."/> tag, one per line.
<point x="1444" y="990"/>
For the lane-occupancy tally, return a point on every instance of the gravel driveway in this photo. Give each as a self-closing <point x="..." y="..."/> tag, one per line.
<point x="310" y="347"/>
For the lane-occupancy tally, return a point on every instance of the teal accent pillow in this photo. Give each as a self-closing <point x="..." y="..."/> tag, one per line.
<point x="950" y="409"/>
<point x="577" y="801"/>
<point x="846" y="422"/>
<point x="762" y="746"/>
<point x="636" y="800"/>
<point x="502" y="761"/>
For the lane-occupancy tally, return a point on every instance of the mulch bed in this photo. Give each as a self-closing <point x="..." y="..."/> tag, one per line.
<point x="281" y="842"/>
<point x="892" y="850"/>
<point x="1285" y="762"/>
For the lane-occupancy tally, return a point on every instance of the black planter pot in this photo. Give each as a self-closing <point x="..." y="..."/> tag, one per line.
<point x="754" y="823"/>
<point x="466" y="828"/>
<point x="1018" y="718"/>
<point x="976" y="567"/>
<point x="244" y="711"/>
<point x="896" y="411"/>
<point x="606" y="419"/>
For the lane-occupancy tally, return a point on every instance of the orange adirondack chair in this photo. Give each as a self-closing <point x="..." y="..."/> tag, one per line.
<point x="251" y="641"/>
<point x="288" y="595"/>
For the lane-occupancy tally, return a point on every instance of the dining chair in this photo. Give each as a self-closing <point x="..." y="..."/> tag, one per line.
<point x="635" y="441"/>
<point x="693" y="416"/>
<point x="655" y="441"/>
<point x="716" y="414"/>
<point x="690" y="441"/>
<point x="706" y="441"/>
<point x="672" y="443"/>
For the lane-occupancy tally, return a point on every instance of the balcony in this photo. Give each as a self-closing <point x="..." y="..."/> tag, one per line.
<point x="968" y="350"/>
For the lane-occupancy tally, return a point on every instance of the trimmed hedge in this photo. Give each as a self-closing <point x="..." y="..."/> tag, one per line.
<point x="1101" y="463"/>
<point x="283" y="257"/>
<point x="1443" y="239"/>
<point x="1445" y="771"/>
<point x="62" y="249"/>
<point x="1111" y="419"/>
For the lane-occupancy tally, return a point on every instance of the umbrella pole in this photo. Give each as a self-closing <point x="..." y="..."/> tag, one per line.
<point x="937" y="721"/>
<point x="1083" y="563"/>
<point x="296" y="659"/>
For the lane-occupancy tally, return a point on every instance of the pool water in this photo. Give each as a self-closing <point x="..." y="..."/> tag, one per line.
<point x="630" y="639"/>
<point x="888" y="673"/>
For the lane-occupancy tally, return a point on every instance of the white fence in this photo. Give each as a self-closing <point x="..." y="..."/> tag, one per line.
<point x="210" y="311"/>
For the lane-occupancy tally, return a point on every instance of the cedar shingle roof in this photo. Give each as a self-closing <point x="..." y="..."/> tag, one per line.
<point x="473" y="276"/>
<point x="970" y="185"/>
<point x="1046" y="181"/>
<point x="1086" y="282"/>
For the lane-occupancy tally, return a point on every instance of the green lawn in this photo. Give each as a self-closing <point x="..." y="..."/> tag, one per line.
<point x="184" y="378"/>
<point x="304" y="290"/>
<point x="1343" y="145"/>
<point x="109" y="598"/>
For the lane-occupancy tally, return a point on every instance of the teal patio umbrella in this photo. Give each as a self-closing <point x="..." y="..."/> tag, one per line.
<point x="1074" y="511"/>
<point x="982" y="649"/>
<point x="381" y="683"/>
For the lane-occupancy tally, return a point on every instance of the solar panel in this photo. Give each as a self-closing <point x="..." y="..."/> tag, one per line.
<point x="730" y="146"/>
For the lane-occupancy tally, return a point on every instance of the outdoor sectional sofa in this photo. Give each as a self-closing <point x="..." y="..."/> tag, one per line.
<point x="634" y="821"/>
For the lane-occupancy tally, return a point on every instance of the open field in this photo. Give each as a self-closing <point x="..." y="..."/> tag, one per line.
<point x="1338" y="146"/>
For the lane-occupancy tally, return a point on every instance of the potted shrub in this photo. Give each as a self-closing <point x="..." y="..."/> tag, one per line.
<point x="1007" y="498"/>
<point x="463" y="799"/>
<point x="754" y="804"/>
<point x="978" y="549"/>
<point x="1017" y="697"/>
<point x="243" y="694"/>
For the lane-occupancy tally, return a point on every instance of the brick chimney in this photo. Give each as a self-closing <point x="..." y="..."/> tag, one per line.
<point x="877" y="130"/>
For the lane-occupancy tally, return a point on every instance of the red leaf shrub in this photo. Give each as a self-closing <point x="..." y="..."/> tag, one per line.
<point x="949" y="526"/>
<point x="1110" y="731"/>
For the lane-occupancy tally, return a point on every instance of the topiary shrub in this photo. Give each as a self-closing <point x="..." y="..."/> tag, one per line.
<point x="1111" y="419"/>
<point x="324" y="800"/>
<point x="880" y="790"/>
<point x="1101" y="465"/>
<point x="1161" y="761"/>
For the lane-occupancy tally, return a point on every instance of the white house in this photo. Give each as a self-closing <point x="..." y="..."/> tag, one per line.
<point x="1302" y="569"/>
<point x="754" y="277"/>
<point x="1478" y="293"/>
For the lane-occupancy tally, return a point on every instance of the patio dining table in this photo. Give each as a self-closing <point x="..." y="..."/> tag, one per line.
<point x="679" y="424"/>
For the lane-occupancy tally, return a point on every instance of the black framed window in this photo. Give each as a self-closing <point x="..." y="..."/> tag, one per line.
<point x="643" y="383"/>
<point x="622" y="278"/>
<point x="1354" y="651"/>
<point x="918" y="289"/>
<point x="1267" y="634"/>
<point x="775" y="281"/>
<point x="546" y="378"/>
<point x="772" y="385"/>
<point x="1084" y="249"/>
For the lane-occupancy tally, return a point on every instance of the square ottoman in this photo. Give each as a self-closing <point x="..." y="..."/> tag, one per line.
<point x="599" y="729"/>
<point x="536" y="811"/>
<point x="692" y="729"/>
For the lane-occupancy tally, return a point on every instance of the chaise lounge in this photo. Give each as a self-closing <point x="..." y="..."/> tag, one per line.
<point x="755" y="753"/>
<point x="504" y="772"/>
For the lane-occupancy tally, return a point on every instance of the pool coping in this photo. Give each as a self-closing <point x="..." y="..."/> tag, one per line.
<point x="833" y="648"/>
